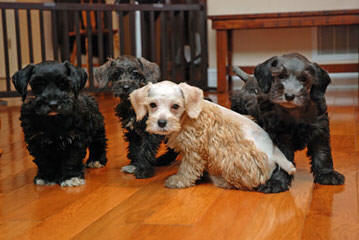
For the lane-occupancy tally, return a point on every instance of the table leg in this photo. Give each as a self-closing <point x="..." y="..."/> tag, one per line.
<point x="222" y="50"/>
<point x="229" y="59"/>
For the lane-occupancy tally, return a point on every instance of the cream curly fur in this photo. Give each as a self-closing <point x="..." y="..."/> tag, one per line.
<point x="233" y="149"/>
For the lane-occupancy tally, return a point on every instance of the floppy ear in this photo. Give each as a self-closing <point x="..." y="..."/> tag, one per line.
<point x="150" y="69"/>
<point x="21" y="79"/>
<point x="78" y="77"/>
<point x="101" y="73"/>
<point x="263" y="73"/>
<point x="320" y="83"/>
<point x="138" y="98"/>
<point x="192" y="99"/>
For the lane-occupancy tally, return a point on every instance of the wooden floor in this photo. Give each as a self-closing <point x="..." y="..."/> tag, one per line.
<point x="114" y="205"/>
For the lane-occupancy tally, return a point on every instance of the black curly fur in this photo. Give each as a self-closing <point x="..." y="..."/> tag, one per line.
<point x="59" y="142"/>
<point x="292" y="129"/>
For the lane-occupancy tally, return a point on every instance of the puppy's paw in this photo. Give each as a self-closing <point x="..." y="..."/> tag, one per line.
<point x="292" y="170"/>
<point x="144" y="172"/>
<point x="129" y="169"/>
<point x="97" y="162"/>
<point x="273" y="186"/>
<point x="73" y="182"/>
<point x="94" y="164"/>
<point x="177" y="181"/>
<point x="330" y="178"/>
<point x="40" y="181"/>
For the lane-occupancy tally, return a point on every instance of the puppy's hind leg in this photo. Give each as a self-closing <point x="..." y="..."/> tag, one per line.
<point x="280" y="180"/>
<point x="220" y="182"/>
<point x="282" y="161"/>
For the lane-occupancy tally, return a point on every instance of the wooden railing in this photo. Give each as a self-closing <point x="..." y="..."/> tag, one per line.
<point x="172" y="35"/>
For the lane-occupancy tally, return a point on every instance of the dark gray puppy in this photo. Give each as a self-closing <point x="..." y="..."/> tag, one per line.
<point x="59" y="124"/>
<point x="286" y="96"/>
<point x="125" y="74"/>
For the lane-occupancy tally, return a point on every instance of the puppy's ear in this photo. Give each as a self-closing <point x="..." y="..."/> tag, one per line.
<point x="101" y="73"/>
<point x="138" y="98"/>
<point x="192" y="99"/>
<point x="263" y="73"/>
<point x="21" y="79"/>
<point x="320" y="82"/>
<point x="150" y="69"/>
<point x="78" y="77"/>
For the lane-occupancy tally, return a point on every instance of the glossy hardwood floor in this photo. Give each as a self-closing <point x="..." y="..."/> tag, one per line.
<point x="114" y="205"/>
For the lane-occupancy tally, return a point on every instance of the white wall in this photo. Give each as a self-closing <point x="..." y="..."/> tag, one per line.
<point x="253" y="46"/>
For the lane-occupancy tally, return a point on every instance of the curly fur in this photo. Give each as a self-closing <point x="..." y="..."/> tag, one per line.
<point x="288" y="101"/>
<point x="59" y="124"/>
<point x="125" y="74"/>
<point x="210" y="138"/>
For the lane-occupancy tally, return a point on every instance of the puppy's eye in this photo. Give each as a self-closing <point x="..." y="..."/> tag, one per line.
<point x="175" y="106"/>
<point x="138" y="75"/>
<point x="153" y="105"/>
<point x="63" y="85"/>
<point x="281" y="76"/>
<point x="116" y="75"/>
<point x="37" y="87"/>
<point x="302" y="79"/>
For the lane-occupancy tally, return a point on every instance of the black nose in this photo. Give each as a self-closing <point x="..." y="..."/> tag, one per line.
<point x="162" y="123"/>
<point x="289" y="97"/>
<point x="53" y="103"/>
<point x="126" y="87"/>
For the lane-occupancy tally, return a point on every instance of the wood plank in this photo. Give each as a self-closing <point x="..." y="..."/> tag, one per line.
<point x="15" y="229"/>
<point x="343" y="12"/>
<point x="187" y="206"/>
<point x="75" y="217"/>
<point x="285" y="22"/>
<point x="332" y="213"/>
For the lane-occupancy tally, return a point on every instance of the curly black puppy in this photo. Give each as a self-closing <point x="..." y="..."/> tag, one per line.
<point x="59" y="124"/>
<point x="125" y="74"/>
<point x="286" y="97"/>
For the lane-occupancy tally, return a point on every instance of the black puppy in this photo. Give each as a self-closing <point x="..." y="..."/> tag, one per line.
<point x="59" y="124"/>
<point x="125" y="74"/>
<point x="286" y="97"/>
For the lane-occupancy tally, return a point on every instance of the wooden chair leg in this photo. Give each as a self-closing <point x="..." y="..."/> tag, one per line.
<point x="73" y="53"/>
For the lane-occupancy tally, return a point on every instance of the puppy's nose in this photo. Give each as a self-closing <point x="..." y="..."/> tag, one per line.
<point x="126" y="87"/>
<point x="289" y="97"/>
<point x="162" y="123"/>
<point x="53" y="103"/>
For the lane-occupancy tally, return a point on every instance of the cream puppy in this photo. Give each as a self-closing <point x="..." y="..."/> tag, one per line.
<point x="232" y="148"/>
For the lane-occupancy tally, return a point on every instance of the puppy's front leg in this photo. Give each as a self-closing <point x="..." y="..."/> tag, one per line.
<point x="322" y="162"/>
<point x="190" y="170"/>
<point x="72" y="168"/>
<point x="142" y="151"/>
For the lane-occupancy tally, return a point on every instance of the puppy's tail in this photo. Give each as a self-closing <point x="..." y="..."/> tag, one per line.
<point x="241" y="74"/>
<point x="282" y="161"/>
